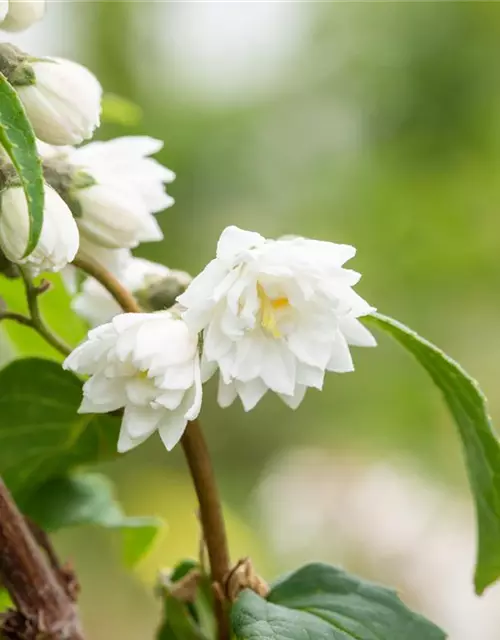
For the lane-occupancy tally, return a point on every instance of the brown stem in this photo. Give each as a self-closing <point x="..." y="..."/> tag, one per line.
<point x="92" y="268"/>
<point x="198" y="459"/>
<point x="44" y="609"/>
<point x="197" y="456"/>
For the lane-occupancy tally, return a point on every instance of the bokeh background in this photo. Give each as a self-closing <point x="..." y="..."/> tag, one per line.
<point x="373" y="124"/>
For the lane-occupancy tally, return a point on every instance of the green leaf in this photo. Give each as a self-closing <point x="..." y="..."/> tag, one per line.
<point x="178" y="622"/>
<point x="41" y="434"/>
<point x="480" y="443"/>
<point x="89" y="499"/>
<point x="18" y="140"/>
<point x="325" y="603"/>
<point x="182" y="620"/>
<point x="118" y="110"/>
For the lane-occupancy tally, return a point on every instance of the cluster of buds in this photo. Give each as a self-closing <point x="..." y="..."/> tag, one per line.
<point x="101" y="197"/>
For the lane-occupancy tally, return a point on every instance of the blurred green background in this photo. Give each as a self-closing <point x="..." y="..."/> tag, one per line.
<point x="373" y="124"/>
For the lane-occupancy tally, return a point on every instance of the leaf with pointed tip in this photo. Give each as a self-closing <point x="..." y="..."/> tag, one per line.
<point x="89" y="499"/>
<point x="481" y="446"/>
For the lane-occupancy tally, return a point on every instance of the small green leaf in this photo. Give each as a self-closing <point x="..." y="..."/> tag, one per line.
<point x="187" y="620"/>
<point x="118" y="110"/>
<point x="325" y="603"/>
<point x="41" y="434"/>
<point x="178" y="624"/>
<point x="480" y="443"/>
<point x="18" y="139"/>
<point x="89" y="499"/>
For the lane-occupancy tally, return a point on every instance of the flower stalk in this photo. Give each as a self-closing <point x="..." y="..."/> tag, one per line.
<point x="197" y="456"/>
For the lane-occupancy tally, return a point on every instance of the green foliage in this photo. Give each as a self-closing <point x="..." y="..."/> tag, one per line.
<point x="480" y="443"/>
<point x="5" y="601"/>
<point x="89" y="499"/>
<point x="119" y="110"/>
<point x="325" y="603"/>
<point x="44" y="439"/>
<point x="192" y="619"/>
<point x="18" y="140"/>
<point x="41" y="434"/>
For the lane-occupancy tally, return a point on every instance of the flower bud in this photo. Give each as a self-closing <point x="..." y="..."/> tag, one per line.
<point x="58" y="242"/>
<point x="62" y="98"/>
<point x="145" y="279"/>
<point x="162" y="294"/>
<point x="17" y="15"/>
<point x="113" y="189"/>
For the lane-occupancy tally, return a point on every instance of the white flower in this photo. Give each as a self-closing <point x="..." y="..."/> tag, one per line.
<point x="17" y="15"/>
<point x="97" y="306"/>
<point x="147" y="363"/>
<point x="63" y="100"/>
<point x="275" y="315"/>
<point x="58" y="241"/>
<point x="117" y="188"/>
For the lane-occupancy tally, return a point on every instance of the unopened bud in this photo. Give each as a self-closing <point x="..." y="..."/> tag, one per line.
<point x="58" y="242"/>
<point x="162" y="294"/>
<point x="21" y="14"/>
<point x="62" y="98"/>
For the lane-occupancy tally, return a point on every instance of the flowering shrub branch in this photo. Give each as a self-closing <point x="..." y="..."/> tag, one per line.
<point x="263" y="316"/>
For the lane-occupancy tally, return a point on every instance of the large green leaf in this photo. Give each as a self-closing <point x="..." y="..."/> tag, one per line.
<point x="41" y="434"/>
<point x="89" y="499"/>
<point x="325" y="603"/>
<point x="480" y="443"/>
<point x="18" y="140"/>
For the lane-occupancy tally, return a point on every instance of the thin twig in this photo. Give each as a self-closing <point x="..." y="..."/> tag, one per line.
<point x="92" y="268"/>
<point x="36" y="318"/>
<point x="16" y="317"/>
<point x="44" y="609"/>
<point x="198" y="459"/>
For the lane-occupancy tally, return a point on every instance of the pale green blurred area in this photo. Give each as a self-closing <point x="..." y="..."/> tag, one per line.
<point x="376" y="125"/>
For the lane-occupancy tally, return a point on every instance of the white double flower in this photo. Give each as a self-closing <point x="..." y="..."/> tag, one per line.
<point x="275" y="315"/>
<point x="147" y="363"/>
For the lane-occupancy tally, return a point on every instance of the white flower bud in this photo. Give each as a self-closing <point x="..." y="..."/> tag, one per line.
<point x="62" y="100"/>
<point x="17" y="15"/>
<point x="115" y="188"/>
<point x="147" y="363"/>
<point x="58" y="242"/>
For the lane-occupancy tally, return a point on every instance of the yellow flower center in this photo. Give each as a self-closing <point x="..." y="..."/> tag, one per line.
<point x="268" y="308"/>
